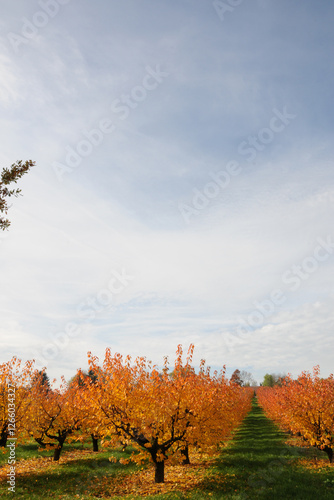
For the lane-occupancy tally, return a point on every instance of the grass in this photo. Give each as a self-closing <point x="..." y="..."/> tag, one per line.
<point x="260" y="465"/>
<point x="256" y="464"/>
<point x="78" y="470"/>
<point x="32" y="450"/>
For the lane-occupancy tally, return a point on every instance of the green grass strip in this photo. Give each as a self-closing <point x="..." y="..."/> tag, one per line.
<point x="259" y="465"/>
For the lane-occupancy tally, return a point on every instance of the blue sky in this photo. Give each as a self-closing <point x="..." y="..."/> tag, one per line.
<point x="184" y="187"/>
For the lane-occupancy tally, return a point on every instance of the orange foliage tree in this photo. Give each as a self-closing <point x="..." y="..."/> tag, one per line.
<point x="159" y="412"/>
<point x="88" y="424"/>
<point x="14" y="397"/>
<point x="217" y="407"/>
<point x="304" y="406"/>
<point x="55" y="414"/>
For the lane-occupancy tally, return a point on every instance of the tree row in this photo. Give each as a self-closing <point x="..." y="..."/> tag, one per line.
<point x="161" y="412"/>
<point x="304" y="407"/>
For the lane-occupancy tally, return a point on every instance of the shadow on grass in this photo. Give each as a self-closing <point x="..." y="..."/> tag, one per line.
<point x="257" y="464"/>
<point x="76" y="478"/>
<point x="32" y="449"/>
<point x="73" y="479"/>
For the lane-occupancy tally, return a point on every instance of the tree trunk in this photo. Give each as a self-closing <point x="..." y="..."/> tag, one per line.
<point x="329" y="452"/>
<point x="58" y="449"/>
<point x="56" y="453"/>
<point x="3" y="441"/>
<point x="3" y="438"/>
<point x="159" y="472"/>
<point x="185" y="454"/>
<point x="154" y="450"/>
<point x="95" y="441"/>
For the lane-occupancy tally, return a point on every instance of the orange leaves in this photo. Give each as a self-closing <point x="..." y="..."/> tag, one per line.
<point x="179" y="478"/>
<point x="54" y="414"/>
<point x="160" y="411"/>
<point x="14" y="382"/>
<point x="305" y="406"/>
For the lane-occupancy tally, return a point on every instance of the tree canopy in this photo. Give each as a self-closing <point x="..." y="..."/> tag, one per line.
<point x="242" y="378"/>
<point x="271" y="379"/>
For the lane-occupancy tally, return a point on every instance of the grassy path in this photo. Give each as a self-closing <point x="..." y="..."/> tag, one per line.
<point x="260" y="466"/>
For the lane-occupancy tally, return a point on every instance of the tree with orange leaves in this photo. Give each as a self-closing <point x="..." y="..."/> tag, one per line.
<point x="14" y="397"/>
<point x="131" y="402"/>
<point x="159" y="413"/>
<point x="55" y="414"/>
<point x="88" y="425"/>
<point x="304" y="406"/>
<point x="217" y="407"/>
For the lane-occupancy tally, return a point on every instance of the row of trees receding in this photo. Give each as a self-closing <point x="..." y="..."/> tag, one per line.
<point x="161" y="412"/>
<point x="305" y="407"/>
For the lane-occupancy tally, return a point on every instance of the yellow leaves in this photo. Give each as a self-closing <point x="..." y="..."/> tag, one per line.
<point x="134" y="397"/>
<point x="304" y="405"/>
<point x="178" y="478"/>
<point x="132" y="400"/>
<point x="160" y="457"/>
<point x="42" y="464"/>
<point x="47" y="448"/>
<point x="315" y="465"/>
<point x="105" y="444"/>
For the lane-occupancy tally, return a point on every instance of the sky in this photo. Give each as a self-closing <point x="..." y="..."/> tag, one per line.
<point x="183" y="190"/>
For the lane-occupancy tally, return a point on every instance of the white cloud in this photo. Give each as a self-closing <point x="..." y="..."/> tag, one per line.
<point x="118" y="210"/>
<point x="9" y="82"/>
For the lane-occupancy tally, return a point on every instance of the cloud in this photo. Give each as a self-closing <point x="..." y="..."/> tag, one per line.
<point x="9" y="83"/>
<point x="118" y="210"/>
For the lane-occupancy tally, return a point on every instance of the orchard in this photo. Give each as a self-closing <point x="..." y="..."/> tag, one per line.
<point x="304" y="406"/>
<point x="161" y="413"/>
<point x="147" y="422"/>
